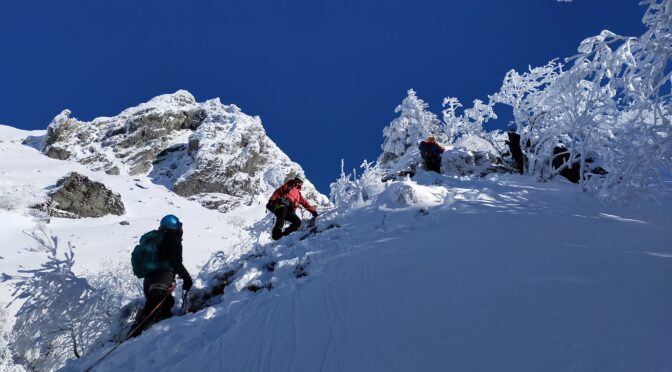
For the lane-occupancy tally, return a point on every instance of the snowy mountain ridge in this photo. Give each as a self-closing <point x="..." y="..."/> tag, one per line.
<point x="208" y="151"/>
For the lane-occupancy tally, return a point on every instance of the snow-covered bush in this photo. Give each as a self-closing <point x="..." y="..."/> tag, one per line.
<point x="525" y="92"/>
<point x="414" y="123"/>
<point x="465" y="134"/>
<point x="344" y="190"/>
<point x="612" y="107"/>
<point x="470" y="123"/>
<point x="349" y="191"/>
<point x="63" y="315"/>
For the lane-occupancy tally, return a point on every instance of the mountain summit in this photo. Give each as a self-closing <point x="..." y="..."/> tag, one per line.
<point x="208" y="151"/>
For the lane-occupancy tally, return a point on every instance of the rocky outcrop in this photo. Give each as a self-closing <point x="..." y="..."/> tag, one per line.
<point x="208" y="151"/>
<point x="76" y="196"/>
<point x="131" y="140"/>
<point x="235" y="162"/>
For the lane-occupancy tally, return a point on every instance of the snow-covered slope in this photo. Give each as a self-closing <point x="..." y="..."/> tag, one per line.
<point x="438" y="274"/>
<point x="25" y="177"/>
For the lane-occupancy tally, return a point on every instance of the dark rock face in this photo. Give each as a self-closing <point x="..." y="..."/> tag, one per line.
<point x="561" y="163"/>
<point x="77" y="196"/>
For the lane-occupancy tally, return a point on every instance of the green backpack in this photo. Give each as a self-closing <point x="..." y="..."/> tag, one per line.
<point x="145" y="257"/>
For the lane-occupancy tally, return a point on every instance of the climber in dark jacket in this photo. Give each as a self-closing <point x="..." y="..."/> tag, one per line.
<point x="159" y="285"/>
<point x="514" y="148"/>
<point x="283" y="204"/>
<point x="431" y="152"/>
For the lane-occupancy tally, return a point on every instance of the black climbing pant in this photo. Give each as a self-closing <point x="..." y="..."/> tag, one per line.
<point x="433" y="163"/>
<point x="156" y="287"/>
<point x="282" y="214"/>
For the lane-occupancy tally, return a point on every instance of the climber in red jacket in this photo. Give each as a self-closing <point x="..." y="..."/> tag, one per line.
<point x="283" y="204"/>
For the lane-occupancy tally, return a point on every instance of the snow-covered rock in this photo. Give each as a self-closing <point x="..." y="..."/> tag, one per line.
<point x="78" y="196"/>
<point x="463" y="162"/>
<point x="209" y="151"/>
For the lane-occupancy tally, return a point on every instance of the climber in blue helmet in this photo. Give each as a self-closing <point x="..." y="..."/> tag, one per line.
<point x="159" y="275"/>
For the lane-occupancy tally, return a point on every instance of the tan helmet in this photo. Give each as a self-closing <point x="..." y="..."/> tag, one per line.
<point x="431" y="139"/>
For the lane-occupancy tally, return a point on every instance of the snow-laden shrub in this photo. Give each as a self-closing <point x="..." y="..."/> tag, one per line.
<point x="612" y="106"/>
<point x="414" y="123"/>
<point x="349" y="191"/>
<point x="63" y="315"/>
<point x="470" y="123"/>
<point x="344" y="190"/>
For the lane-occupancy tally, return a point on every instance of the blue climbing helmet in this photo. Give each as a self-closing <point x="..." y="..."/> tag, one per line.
<point x="512" y="127"/>
<point x="170" y="222"/>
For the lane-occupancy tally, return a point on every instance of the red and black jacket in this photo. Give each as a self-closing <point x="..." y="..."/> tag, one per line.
<point x="290" y="195"/>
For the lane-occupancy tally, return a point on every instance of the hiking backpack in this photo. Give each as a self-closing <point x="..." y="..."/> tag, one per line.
<point x="145" y="257"/>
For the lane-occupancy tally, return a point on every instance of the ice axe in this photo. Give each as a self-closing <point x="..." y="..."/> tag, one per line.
<point x="185" y="301"/>
<point x="311" y="222"/>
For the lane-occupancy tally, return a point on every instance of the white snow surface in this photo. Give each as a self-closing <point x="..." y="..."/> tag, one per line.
<point x="25" y="174"/>
<point x="440" y="274"/>
<point x="432" y="273"/>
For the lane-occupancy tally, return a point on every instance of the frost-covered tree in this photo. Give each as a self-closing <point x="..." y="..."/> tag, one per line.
<point x="454" y="122"/>
<point x="62" y="315"/>
<point x="414" y="123"/>
<point x="524" y="92"/>
<point x="466" y="129"/>
<point x="350" y="191"/>
<point x="611" y="107"/>
<point x="344" y="190"/>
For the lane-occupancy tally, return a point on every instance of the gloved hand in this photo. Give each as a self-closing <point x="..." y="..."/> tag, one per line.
<point x="187" y="283"/>
<point x="314" y="213"/>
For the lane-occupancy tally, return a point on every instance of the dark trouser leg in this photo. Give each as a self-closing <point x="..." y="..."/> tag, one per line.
<point x="294" y="220"/>
<point x="518" y="164"/>
<point x="433" y="164"/>
<point x="280" y="216"/>
<point x="157" y="287"/>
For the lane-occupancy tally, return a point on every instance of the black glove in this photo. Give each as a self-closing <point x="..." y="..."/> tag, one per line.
<point x="314" y="213"/>
<point x="187" y="283"/>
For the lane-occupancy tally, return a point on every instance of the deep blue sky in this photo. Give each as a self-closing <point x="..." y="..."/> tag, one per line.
<point x="325" y="76"/>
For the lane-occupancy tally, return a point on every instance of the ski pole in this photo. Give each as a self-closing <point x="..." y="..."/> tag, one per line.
<point x="129" y="334"/>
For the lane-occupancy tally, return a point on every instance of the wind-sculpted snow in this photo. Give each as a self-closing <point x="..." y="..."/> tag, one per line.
<point x="210" y="152"/>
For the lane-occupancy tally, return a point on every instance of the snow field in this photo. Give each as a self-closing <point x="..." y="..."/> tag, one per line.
<point x="98" y="242"/>
<point x="500" y="274"/>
